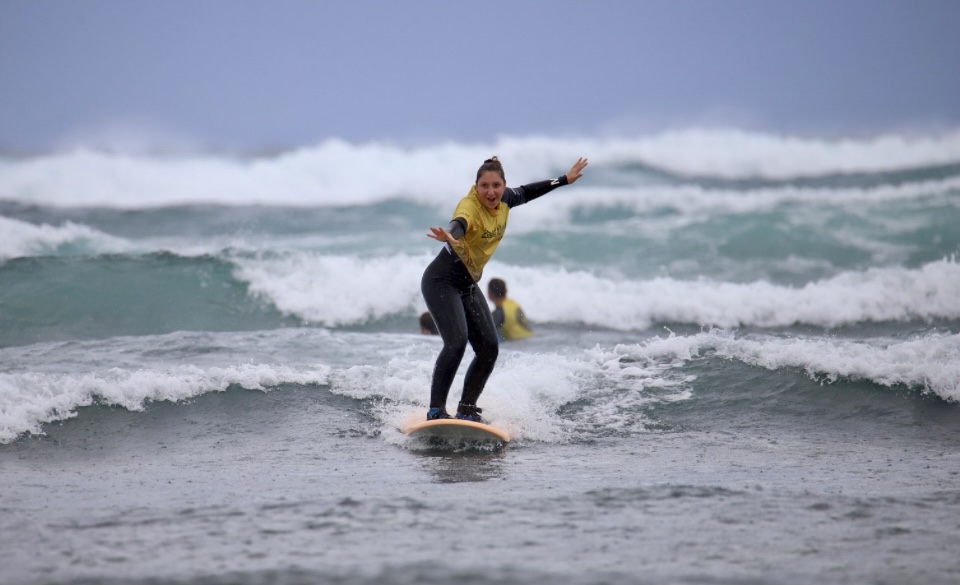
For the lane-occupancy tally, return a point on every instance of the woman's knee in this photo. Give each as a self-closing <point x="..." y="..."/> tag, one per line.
<point x="488" y="353"/>
<point x="454" y="345"/>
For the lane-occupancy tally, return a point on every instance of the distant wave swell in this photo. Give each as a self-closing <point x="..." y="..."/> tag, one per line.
<point x="338" y="173"/>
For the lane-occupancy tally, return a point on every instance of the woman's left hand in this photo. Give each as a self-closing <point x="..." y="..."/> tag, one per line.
<point x="576" y="171"/>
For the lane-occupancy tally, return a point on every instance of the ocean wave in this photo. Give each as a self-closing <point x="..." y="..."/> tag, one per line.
<point x="638" y="208"/>
<point x="340" y="173"/>
<point x="93" y="297"/>
<point x="29" y="400"/>
<point x="930" y="363"/>
<point x="21" y="239"/>
<point x="738" y="154"/>
<point x="342" y="290"/>
<point x="530" y="395"/>
<point x="875" y="295"/>
<point x="63" y="298"/>
<point x="336" y="290"/>
<point x="573" y="394"/>
<point x="527" y="394"/>
<point x="694" y="202"/>
<point x="609" y="390"/>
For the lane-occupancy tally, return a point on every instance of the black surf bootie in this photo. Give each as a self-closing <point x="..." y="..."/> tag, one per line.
<point x="437" y="413"/>
<point x="469" y="412"/>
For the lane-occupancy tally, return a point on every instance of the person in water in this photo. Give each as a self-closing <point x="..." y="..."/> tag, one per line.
<point x="427" y="326"/>
<point x="449" y="283"/>
<point x="508" y="315"/>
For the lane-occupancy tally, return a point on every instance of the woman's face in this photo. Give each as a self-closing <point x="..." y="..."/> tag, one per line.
<point x="490" y="186"/>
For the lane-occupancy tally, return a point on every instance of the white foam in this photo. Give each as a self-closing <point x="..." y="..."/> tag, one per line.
<point x="698" y="204"/>
<point x="548" y="397"/>
<point x="28" y="400"/>
<point x="532" y="395"/>
<point x="337" y="290"/>
<point x="524" y="394"/>
<point x="740" y="154"/>
<point x="878" y="294"/>
<point x="19" y="239"/>
<point x="340" y="173"/>
<point x="931" y="363"/>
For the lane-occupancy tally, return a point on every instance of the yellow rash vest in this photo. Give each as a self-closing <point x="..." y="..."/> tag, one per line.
<point x="485" y="229"/>
<point x="485" y="226"/>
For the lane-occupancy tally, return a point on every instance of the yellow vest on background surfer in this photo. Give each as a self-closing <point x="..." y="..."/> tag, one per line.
<point x="508" y="315"/>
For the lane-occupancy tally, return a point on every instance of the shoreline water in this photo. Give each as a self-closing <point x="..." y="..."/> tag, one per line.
<point x="301" y="492"/>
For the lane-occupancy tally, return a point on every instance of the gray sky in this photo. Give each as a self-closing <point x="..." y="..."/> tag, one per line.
<point x="281" y="73"/>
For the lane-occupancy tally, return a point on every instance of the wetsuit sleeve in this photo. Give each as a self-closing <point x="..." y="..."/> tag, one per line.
<point x="457" y="227"/>
<point x="527" y="193"/>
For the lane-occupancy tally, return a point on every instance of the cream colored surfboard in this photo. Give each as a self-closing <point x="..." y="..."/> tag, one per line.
<point x="453" y="428"/>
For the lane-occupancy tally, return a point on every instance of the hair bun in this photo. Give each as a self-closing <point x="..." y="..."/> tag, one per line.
<point x="492" y="164"/>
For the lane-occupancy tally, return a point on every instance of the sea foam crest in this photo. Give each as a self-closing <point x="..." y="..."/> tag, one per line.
<point x="736" y="154"/>
<point x="20" y="238"/>
<point x="28" y="400"/>
<point x="877" y="294"/>
<point x="930" y="363"/>
<point x="340" y="173"/>
<point x="694" y="201"/>
<point x="334" y="290"/>
<point x="525" y="394"/>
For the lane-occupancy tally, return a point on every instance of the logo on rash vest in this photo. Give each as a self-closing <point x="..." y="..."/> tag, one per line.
<point x="496" y="234"/>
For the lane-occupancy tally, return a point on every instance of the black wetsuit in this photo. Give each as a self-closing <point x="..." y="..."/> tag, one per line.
<point x="461" y="312"/>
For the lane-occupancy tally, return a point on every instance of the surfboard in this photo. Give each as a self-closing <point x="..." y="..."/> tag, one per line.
<point x="456" y="429"/>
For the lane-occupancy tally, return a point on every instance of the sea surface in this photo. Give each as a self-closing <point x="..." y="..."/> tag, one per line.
<point x="746" y="366"/>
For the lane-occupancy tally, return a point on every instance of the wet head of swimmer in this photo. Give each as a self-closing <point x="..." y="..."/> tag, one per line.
<point x="491" y="182"/>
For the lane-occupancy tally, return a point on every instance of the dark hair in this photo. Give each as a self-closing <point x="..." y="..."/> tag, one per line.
<point x="497" y="288"/>
<point x="491" y="164"/>
<point x="426" y="322"/>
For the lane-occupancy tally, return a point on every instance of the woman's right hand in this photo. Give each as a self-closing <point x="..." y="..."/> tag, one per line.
<point x="442" y="235"/>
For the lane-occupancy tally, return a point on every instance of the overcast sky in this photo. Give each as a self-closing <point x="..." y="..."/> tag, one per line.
<point x="281" y="73"/>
